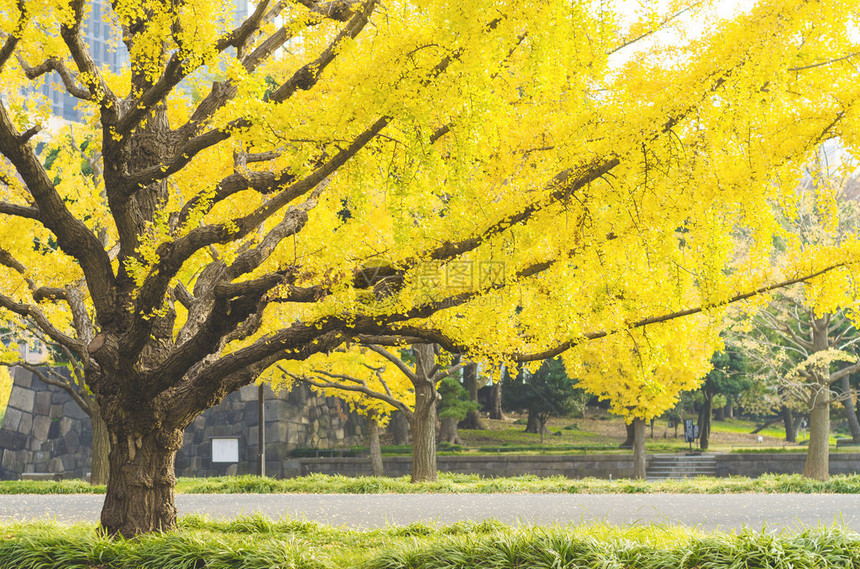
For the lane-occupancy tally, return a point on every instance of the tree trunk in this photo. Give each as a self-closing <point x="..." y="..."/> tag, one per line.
<point x="376" y="466"/>
<point x="788" y="422"/>
<point x="730" y="409"/>
<point x="496" y="406"/>
<point x="705" y="421"/>
<point x="628" y="442"/>
<point x="398" y="426"/>
<point x="423" y="425"/>
<point x="140" y="491"/>
<point x="534" y="424"/>
<point x="449" y="433"/>
<point x="720" y="414"/>
<point x="639" y="469"/>
<point x="817" y="464"/>
<point x="850" y="412"/>
<point x="818" y="453"/>
<point x="100" y="465"/>
<point x="470" y="384"/>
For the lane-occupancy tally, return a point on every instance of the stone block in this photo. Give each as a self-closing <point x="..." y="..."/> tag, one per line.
<point x="66" y="424"/>
<point x="73" y="410"/>
<point x="276" y="432"/>
<point x="56" y="465"/>
<point x="41" y="426"/>
<point x="54" y="430"/>
<point x="73" y="441"/>
<point x="11" y="419"/>
<point x="26" y="424"/>
<point x="42" y="405"/>
<point x="231" y="470"/>
<point x="56" y="410"/>
<point x="12" y="440"/>
<point x="248" y="393"/>
<point x="22" y="398"/>
<point x="23" y="378"/>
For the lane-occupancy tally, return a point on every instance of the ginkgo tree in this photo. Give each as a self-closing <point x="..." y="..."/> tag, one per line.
<point x="385" y="380"/>
<point x="418" y="171"/>
<point x="641" y="373"/>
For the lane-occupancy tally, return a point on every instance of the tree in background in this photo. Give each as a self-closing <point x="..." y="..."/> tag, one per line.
<point x="406" y="381"/>
<point x="454" y="405"/>
<point x="390" y="174"/>
<point x="728" y="379"/>
<point x="642" y="373"/>
<point x="548" y="392"/>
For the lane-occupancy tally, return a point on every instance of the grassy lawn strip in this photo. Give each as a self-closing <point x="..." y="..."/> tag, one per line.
<point x="257" y="542"/>
<point x="468" y="484"/>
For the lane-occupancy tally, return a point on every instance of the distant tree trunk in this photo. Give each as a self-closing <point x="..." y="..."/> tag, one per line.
<point x="817" y="464"/>
<point x="628" y="442"/>
<point x="423" y="426"/>
<point x="534" y="424"/>
<point x="448" y="432"/>
<point x="730" y="409"/>
<point x="705" y="420"/>
<point x="470" y="384"/>
<point x="639" y="461"/>
<point x="496" y="401"/>
<point x="376" y="466"/>
<point x="788" y="422"/>
<point x="720" y="414"/>
<point x="423" y="419"/>
<point x="850" y="412"/>
<point x="398" y="427"/>
<point x="100" y="465"/>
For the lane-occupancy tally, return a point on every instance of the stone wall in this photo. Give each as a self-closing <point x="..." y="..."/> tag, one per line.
<point x="576" y="466"/>
<point x="44" y="430"/>
<point x="301" y="419"/>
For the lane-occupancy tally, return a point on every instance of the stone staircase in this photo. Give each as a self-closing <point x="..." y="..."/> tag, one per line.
<point x="681" y="466"/>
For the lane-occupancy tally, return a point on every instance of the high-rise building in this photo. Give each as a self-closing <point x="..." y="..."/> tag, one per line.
<point x="106" y="47"/>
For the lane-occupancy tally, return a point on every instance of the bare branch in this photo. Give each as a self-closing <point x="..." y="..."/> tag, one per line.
<point x="71" y="84"/>
<point x="404" y="369"/>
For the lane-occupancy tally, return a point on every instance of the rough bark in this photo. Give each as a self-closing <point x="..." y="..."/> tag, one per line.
<point x="639" y="460"/>
<point x="398" y="428"/>
<point x="423" y="426"/>
<point x="470" y="384"/>
<point x="448" y="432"/>
<point x="376" y="466"/>
<point x="140" y="491"/>
<point x="850" y="412"/>
<point x="788" y="422"/>
<point x="496" y="402"/>
<point x="100" y="466"/>
<point x="817" y="464"/>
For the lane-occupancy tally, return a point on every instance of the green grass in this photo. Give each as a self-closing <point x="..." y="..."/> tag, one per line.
<point x="260" y="543"/>
<point x="468" y="483"/>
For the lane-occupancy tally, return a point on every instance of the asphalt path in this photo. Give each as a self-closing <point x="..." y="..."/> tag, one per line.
<point x="772" y="512"/>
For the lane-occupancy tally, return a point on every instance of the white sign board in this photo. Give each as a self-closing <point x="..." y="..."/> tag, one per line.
<point x="225" y="450"/>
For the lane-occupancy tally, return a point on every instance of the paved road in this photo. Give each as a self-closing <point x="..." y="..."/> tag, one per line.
<point x="725" y="512"/>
